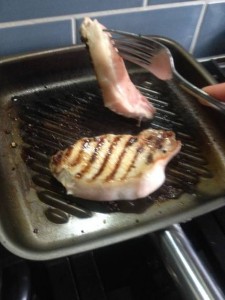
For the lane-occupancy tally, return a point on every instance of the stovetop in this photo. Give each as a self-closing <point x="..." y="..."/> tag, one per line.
<point x="215" y="66"/>
<point x="129" y="270"/>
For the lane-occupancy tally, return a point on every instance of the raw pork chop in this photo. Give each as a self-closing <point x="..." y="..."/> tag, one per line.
<point x="115" y="167"/>
<point x="119" y="93"/>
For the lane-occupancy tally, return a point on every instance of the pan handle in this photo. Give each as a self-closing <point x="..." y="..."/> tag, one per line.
<point x="189" y="273"/>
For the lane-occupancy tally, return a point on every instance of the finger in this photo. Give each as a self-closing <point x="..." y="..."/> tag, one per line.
<point x="217" y="91"/>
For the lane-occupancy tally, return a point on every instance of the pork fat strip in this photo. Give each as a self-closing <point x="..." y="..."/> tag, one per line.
<point x="119" y="93"/>
<point x="115" y="167"/>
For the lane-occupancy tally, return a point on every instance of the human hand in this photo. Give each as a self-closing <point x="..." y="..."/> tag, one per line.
<point x="216" y="90"/>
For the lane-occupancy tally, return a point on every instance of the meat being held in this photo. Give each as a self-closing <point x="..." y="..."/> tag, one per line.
<point x="119" y="93"/>
<point x="115" y="167"/>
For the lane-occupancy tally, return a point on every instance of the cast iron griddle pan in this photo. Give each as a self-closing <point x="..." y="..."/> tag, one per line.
<point x="50" y="99"/>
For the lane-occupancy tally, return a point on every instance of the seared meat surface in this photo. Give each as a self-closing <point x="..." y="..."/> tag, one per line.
<point x="119" y="93"/>
<point x="115" y="167"/>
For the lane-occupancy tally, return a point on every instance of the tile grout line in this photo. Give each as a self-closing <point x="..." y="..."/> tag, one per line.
<point x="145" y="3"/>
<point x="214" y="1"/>
<point x="97" y="14"/>
<point x="74" y="36"/>
<point x="198" y="28"/>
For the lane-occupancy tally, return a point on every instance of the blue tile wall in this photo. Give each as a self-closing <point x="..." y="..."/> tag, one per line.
<point x="32" y="25"/>
<point x="211" y="40"/>
<point x="150" y="22"/>
<point x="35" y="37"/>
<point x="11" y="10"/>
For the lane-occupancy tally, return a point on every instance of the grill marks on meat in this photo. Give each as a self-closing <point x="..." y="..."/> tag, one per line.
<point x="115" y="167"/>
<point x="119" y="93"/>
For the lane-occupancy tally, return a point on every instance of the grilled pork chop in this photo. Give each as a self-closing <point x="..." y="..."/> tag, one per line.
<point x="115" y="167"/>
<point x="119" y="93"/>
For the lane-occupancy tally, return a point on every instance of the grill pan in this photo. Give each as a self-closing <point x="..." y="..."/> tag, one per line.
<point x="50" y="99"/>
